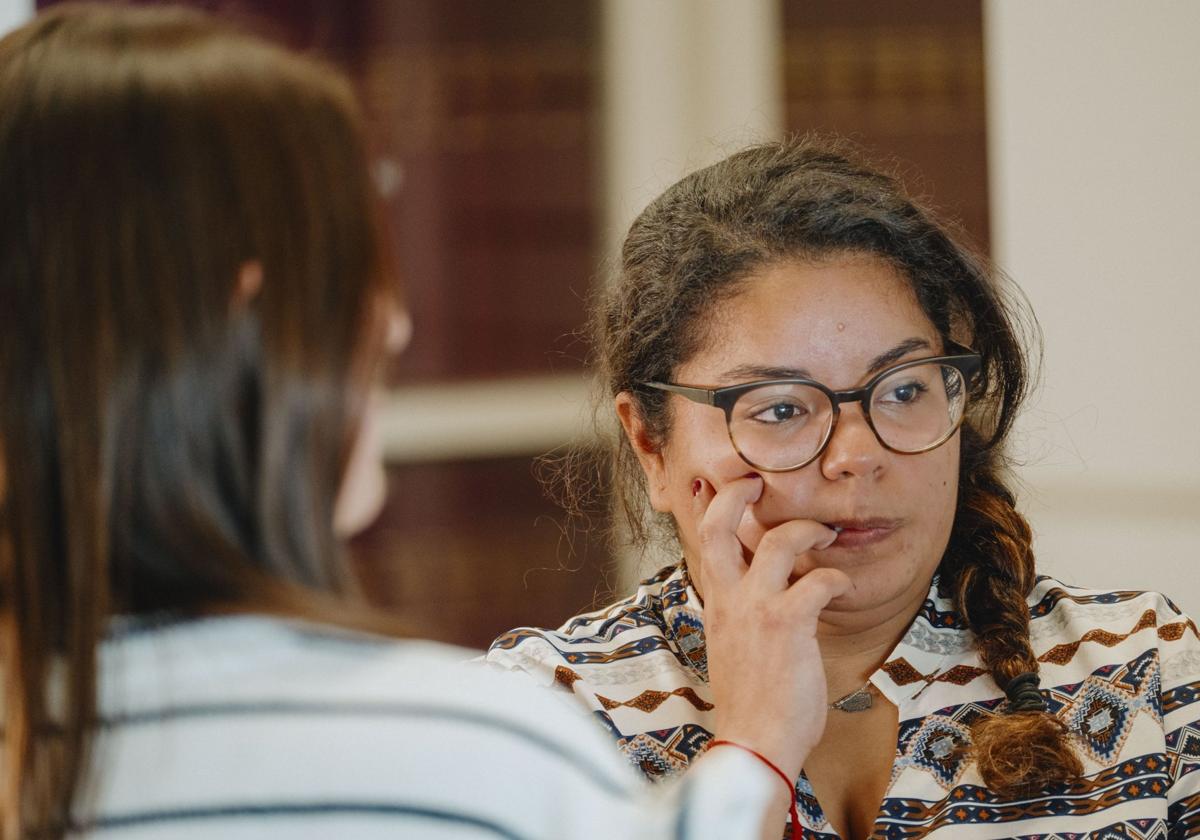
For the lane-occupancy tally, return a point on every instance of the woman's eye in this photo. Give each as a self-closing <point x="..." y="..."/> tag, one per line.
<point x="779" y="413"/>
<point x="906" y="393"/>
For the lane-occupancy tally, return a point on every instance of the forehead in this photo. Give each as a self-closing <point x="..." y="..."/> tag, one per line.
<point x="829" y="317"/>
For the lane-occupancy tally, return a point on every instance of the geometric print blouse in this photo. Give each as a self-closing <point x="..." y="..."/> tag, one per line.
<point x="1120" y="669"/>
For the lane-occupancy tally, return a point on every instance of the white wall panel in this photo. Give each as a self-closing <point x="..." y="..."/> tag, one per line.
<point x="1094" y="147"/>
<point x="13" y="13"/>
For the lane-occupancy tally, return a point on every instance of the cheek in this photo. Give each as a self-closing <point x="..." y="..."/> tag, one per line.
<point x="942" y="491"/>
<point x="364" y="486"/>
<point x="697" y="448"/>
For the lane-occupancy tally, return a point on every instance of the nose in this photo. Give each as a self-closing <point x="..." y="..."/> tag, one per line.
<point x="853" y="450"/>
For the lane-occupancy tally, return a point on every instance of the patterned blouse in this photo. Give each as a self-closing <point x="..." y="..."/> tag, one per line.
<point x="1121" y="669"/>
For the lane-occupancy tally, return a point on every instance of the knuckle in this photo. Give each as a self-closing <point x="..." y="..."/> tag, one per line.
<point x="806" y="531"/>
<point x="817" y="588"/>
<point x="769" y="542"/>
<point x="778" y="620"/>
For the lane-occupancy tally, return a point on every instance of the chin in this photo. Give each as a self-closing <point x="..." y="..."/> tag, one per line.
<point x="360" y="502"/>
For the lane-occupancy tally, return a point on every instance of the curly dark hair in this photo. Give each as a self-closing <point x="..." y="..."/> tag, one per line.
<point x="809" y="198"/>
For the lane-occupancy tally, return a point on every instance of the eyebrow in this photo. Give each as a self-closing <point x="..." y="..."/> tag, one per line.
<point x="890" y="357"/>
<point x="883" y="360"/>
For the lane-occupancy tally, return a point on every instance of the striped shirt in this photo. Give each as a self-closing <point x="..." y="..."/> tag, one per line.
<point x="1121" y="669"/>
<point x="241" y="727"/>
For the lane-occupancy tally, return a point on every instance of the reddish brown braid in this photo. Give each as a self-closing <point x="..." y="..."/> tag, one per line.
<point x="988" y="570"/>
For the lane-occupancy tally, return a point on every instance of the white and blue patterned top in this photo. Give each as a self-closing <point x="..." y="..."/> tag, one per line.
<point x="1121" y="669"/>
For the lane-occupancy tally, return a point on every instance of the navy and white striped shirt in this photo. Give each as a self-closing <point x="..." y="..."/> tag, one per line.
<point x="239" y="727"/>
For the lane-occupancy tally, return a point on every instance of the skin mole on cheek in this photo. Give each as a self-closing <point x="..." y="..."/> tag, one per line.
<point x="841" y="327"/>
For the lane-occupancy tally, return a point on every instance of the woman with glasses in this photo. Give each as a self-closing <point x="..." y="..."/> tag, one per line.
<point x="194" y="302"/>
<point x="811" y="372"/>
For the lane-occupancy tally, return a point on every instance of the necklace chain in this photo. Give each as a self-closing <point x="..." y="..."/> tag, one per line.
<point x="858" y="700"/>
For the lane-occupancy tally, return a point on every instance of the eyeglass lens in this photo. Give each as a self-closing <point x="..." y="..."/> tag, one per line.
<point x="779" y="426"/>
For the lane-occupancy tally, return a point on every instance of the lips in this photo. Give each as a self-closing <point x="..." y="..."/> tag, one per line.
<point x="859" y="533"/>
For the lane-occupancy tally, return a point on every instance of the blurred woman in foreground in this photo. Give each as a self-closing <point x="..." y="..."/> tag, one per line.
<point x="194" y="307"/>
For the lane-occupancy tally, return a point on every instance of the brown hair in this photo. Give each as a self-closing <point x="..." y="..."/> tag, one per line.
<point x="165" y="446"/>
<point x="694" y="246"/>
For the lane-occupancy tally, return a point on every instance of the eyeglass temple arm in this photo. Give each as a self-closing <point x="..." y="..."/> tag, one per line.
<point x="700" y="395"/>
<point x="974" y="365"/>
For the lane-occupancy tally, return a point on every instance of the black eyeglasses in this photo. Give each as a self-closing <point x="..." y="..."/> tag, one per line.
<point x="777" y="425"/>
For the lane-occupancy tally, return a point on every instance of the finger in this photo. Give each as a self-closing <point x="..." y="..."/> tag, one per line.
<point x="813" y="592"/>
<point x="785" y="551"/>
<point x="718" y="513"/>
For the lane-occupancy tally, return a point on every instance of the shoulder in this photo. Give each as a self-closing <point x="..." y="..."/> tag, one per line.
<point x="201" y="714"/>
<point x="240" y="658"/>
<point x="638" y="667"/>
<point x="627" y="628"/>
<point x="1055" y="606"/>
<point x="267" y="665"/>
<point x="1072" y="624"/>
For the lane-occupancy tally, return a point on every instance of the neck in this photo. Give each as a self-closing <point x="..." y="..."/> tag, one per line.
<point x="854" y="643"/>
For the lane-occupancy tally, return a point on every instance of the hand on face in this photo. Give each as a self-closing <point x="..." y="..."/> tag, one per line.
<point x="760" y="619"/>
<point x="751" y="532"/>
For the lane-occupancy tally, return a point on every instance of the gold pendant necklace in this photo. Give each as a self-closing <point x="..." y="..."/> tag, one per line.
<point x="856" y="701"/>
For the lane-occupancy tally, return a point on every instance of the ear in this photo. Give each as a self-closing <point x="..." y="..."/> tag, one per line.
<point x="648" y="453"/>
<point x="248" y="285"/>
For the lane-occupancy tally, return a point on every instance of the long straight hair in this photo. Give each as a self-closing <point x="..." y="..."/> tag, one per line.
<point x="166" y="444"/>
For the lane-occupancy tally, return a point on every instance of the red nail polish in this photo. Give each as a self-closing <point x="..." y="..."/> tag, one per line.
<point x="696" y="486"/>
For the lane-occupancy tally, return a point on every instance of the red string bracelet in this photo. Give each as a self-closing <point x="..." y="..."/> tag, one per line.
<point x="791" y="786"/>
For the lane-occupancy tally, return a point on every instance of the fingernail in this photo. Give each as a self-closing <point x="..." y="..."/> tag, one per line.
<point x="696" y="486"/>
<point x="833" y="535"/>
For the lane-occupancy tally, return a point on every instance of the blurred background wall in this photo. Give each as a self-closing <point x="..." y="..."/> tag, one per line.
<point x="514" y="143"/>
<point x="1094" y="150"/>
<point x="14" y="12"/>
